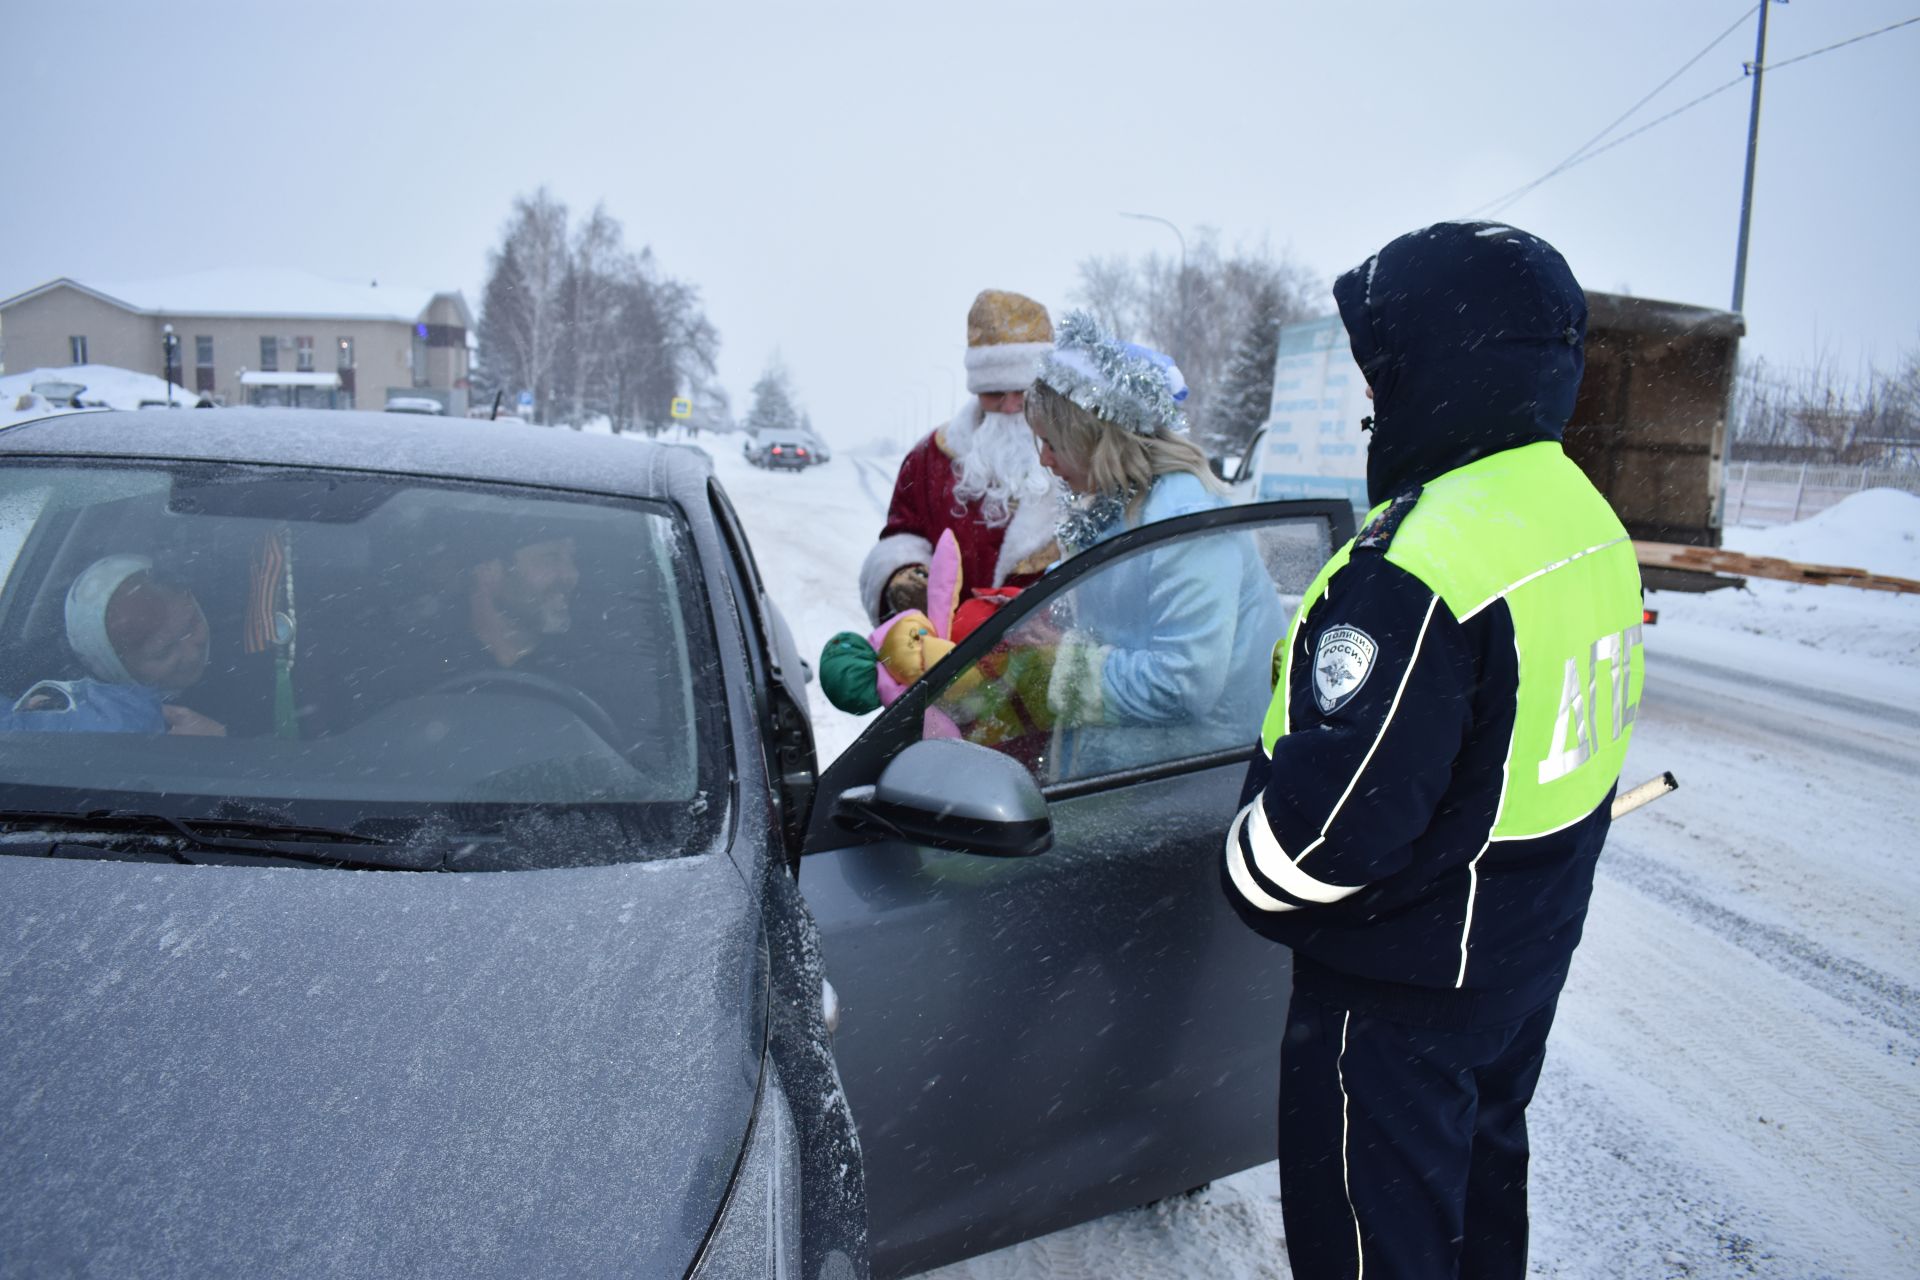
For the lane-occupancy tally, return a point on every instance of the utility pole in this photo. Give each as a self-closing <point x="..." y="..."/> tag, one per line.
<point x="1757" y="67"/>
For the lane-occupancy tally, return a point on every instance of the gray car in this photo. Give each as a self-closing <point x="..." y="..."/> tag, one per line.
<point x="359" y="950"/>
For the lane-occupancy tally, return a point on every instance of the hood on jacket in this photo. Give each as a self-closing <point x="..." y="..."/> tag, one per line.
<point x="1472" y="337"/>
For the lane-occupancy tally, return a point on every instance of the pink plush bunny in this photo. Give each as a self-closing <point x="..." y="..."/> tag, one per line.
<point x="909" y="643"/>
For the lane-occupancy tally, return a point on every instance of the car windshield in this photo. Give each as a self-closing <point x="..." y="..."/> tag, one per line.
<point x="383" y="655"/>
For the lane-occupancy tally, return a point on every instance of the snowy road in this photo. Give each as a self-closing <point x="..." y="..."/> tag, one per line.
<point x="1731" y="1085"/>
<point x="1733" y="1088"/>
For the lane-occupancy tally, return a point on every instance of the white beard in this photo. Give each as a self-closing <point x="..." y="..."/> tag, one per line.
<point x="996" y="463"/>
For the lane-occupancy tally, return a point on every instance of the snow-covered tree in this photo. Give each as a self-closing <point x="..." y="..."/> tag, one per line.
<point x="1246" y="387"/>
<point x="773" y="409"/>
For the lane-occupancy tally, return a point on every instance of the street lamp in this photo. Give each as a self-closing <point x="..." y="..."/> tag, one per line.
<point x="1153" y="217"/>
<point x="168" y="345"/>
<point x="1179" y="334"/>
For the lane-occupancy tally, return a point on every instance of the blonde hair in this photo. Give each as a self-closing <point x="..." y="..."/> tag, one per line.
<point x="1116" y="460"/>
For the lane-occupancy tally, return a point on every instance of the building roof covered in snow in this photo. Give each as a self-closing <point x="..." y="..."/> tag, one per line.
<point x="251" y="291"/>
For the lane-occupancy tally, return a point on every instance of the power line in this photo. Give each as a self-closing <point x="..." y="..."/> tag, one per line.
<point x="1652" y="94"/>
<point x="1582" y="156"/>
<point x="1802" y="57"/>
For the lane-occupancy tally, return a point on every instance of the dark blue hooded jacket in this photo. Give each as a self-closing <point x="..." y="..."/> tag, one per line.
<point x="1366" y="842"/>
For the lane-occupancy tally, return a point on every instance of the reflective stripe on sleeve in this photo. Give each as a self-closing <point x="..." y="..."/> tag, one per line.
<point x="1273" y="863"/>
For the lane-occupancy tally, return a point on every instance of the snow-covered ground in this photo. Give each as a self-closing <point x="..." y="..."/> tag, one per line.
<point x="1733" y="1089"/>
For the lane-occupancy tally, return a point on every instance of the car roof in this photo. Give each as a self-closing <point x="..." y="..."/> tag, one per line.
<point x="406" y="444"/>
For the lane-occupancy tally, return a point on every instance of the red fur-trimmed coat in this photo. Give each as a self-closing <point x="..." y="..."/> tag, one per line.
<point x="923" y="505"/>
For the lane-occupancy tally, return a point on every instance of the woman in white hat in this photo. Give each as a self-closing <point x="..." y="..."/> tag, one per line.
<point x="1170" y="650"/>
<point x="142" y="640"/>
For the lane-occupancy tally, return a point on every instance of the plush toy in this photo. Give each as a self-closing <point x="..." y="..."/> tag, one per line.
<point x="1001" y="699"/>
<point x="863" y="673"/>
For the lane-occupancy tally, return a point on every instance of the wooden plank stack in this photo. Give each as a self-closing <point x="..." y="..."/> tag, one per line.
<point x="1715" y="560"/>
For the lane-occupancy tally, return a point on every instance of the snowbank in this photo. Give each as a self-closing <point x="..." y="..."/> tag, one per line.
<point x="106" y="385"/>
<point x="1770" y="626"/>
<point x="1876" y="529"/>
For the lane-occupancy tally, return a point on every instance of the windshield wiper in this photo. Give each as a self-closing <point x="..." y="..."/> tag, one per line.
<point x="318" y="846"/>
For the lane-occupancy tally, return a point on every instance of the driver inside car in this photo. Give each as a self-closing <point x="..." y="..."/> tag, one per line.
<point x="143" y="640"/>
<point x="502" y="615"/>
<point x="516" y="600"/>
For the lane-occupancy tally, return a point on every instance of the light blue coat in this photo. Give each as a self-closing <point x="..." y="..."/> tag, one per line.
<point x="1188" y="630"/>
<point x="87" y="706"/>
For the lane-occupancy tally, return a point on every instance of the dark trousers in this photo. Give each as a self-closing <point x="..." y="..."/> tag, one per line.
<point x="1405" y="1148"/>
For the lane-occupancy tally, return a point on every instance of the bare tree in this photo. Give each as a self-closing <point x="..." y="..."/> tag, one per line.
<point x="1197" y="308"/>
<point x="1817" y="414"/>
<point x="596" y="268"/>
<point x="536" y="233"/>
<point x="588" y="326"/>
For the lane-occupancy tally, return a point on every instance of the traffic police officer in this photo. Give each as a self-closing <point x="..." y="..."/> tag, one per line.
<point x="1452" y="704"/>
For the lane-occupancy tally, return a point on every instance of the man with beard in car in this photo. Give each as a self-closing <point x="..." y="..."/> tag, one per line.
<point x="979" y="475"/>
<point x="504" y="611"/>
<point x="517" y="600"/>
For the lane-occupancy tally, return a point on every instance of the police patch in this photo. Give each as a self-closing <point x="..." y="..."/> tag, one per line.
<point x="1341" y="664"/>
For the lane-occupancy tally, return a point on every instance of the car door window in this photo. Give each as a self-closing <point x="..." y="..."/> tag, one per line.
<point x="1159" y="655"/>
<point x="1152" y="652"/>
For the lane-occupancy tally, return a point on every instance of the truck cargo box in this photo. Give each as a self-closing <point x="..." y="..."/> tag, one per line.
<point x="1649" y="427"/>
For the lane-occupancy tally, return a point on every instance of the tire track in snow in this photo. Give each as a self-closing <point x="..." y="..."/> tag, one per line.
<point x="1861" y="987"/>
<point x="869" y="473"/>
<point x="1721" y="710"/>
<point x="1821" y="699"/>
<point x="1765" y="1094"/>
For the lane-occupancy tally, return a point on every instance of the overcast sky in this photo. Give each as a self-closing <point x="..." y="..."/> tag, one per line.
<point x="839" y="180"/>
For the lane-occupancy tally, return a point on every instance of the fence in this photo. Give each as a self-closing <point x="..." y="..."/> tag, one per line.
<point x="1778" y="493"/>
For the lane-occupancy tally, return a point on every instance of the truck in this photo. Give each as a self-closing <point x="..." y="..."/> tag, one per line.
<point x="1649" y="427"/>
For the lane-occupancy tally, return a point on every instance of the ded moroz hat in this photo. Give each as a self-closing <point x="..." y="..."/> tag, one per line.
<point x="1007" y="333"/>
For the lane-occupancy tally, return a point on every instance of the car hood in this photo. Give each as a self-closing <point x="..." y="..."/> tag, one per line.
<point x="237" y="1070"/>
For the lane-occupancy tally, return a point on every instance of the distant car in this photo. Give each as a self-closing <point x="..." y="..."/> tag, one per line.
<point x="784" y="453"/>
<point x="429" y="965"/>
<point x="60" y="394"/>
<point x="416" y="404"/>
<point x="818" y="451"/>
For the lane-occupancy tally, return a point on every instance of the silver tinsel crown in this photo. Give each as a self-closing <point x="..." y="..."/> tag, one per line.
<point x="1133" y="386"/>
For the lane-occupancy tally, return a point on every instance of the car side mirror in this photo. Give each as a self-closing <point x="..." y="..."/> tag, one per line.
<point x="1218" y="468"/>
<point x="955" y="795"/>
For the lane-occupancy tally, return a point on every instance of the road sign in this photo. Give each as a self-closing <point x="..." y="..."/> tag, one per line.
<point x="682" y="407"/>
<point x="526" y="400"/>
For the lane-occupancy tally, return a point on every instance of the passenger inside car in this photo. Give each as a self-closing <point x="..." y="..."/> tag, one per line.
<point x="143" y="640"/>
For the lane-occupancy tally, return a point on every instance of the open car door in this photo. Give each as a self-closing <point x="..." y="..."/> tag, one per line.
<point x="1032" y="1041"/>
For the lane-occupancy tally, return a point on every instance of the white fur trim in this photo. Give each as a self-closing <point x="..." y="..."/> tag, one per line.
<point x="1008" y="366"/>
<point x="889" y="555"/>
<point x="1031" y="528"/>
